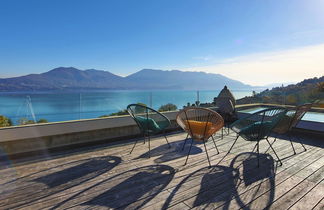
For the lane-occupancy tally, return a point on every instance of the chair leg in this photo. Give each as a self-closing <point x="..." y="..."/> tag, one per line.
<point x="274" y="151"/>
<point x="206" y="153"/>
<point x="222" y="133"/>
<point x="189" y="151"/>
<point x="215" y="144"/>
<point x="303" y="146"/>
<point x="226" y="129"/>
<point x="184" y="143"/>
<point x="271" y="143"/>
<point x="134" y="146"/>
<point x="258" y="154"/>
<point x="254" y="147"/>
<point x="166" y="140"/>
<point x="289" y="136"/>
<point x="149" y="145"/>
<point x="233" y="144"/>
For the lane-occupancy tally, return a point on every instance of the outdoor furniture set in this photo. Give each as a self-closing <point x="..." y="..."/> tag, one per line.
<point x="202" y="123"/>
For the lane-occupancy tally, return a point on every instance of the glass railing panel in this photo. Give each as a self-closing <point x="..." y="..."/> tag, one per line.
<point x="179" y="98"/>
<point x="26" y="108"/>
<point x="108" y="103"/>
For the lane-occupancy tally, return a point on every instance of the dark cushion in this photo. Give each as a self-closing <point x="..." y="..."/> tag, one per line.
<point x="148" y="123"/>
<point x="256" y="131"/>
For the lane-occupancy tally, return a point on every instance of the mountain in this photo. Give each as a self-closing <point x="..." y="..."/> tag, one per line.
<point x="183" y="80"/>
<point x="66" y="78"/>
<point x="63" y="78"/>
<point x="272" y="85"/>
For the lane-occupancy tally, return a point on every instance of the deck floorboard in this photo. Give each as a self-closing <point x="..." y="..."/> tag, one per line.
<point x="108" y="177"/>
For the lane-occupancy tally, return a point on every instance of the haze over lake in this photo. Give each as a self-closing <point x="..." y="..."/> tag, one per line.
<point x="63" y="106"/>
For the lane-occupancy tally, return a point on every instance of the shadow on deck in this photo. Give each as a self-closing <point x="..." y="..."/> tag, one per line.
<point x="110" y="177"/>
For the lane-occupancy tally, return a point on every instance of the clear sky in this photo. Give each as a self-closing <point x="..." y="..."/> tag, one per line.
<point x="255" y="41"/>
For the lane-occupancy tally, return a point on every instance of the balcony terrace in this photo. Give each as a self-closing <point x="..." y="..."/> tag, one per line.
<point x="107" y="176"/>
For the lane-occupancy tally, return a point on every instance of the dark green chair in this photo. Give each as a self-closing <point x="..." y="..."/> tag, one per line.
<point x="289" y="121"/>
<point x="258" y="126"/>
<point x="149" y="121"/>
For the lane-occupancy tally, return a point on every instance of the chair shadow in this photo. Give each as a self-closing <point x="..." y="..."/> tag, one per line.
<point x="216" y="183"/>
<point x="79" y="173"/>
<point x="254" y="180"/>
<point x="222" y="185"/>
<point x="298" y="138"/>
<point x="73" y="174"/>
<point x="164" y="153"/>
<point x="131" y="189"/>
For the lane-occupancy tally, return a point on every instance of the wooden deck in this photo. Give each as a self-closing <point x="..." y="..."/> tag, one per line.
<point x="109" y="177"/>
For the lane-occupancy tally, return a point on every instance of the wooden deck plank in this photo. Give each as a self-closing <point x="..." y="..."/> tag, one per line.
<point x="281" y="188"/>
<point x="319" y="205"/>
<point x="135" y="181"/>
<point x="291" y="167"/>
<point x="310" y="198"/>
<point x="244" y="192"/>
<point x="41" y="200"/>
<point x="192" y="189"/>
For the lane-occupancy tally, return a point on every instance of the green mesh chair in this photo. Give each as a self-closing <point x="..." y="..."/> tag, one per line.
<point x="149" y="121"/>
<point x="258" y="126"/>
<point x="290" y="120"/>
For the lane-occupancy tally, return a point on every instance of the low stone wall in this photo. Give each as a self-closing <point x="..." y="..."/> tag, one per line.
<point x="24" y="139"/>
<point x="42" y="137"/>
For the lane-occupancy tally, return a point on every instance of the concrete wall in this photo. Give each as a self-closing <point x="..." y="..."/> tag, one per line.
<point x="22" y="139"/>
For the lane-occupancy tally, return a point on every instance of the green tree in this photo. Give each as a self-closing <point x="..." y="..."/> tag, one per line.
<point x="320" y="87"/>
<point x="42" y="121"/>
<point x="121" y="112"/>
<point x="291" y="99"/>
<point x="167" y="107"/>
<point x="5" y="121"/>
<point x="25" y="121"/>
<point x="139" y="103"/>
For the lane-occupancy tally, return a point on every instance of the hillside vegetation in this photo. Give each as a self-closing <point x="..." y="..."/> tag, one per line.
<point x="307" y="91"/>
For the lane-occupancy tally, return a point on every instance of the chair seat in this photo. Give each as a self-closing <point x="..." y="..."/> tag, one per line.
<point x="255" y="131"/>
<point x="149" y="123"/>
<point x="199" y="128"/>
<point x="283" y="126"/>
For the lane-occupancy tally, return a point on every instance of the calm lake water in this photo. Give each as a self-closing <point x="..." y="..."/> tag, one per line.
<point x="63" y="106"/>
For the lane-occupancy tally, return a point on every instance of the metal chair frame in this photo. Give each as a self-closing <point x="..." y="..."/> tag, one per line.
<point x="260" y="136"/>
<point x="145" y="130"/>
<point x="295" y="118"/>
<point x="190" y="133"/>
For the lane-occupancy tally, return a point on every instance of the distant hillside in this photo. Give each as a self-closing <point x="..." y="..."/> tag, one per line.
<point x="183" y="80"/>
<point x="64" y="78"/>
<point x="307" y="91"/>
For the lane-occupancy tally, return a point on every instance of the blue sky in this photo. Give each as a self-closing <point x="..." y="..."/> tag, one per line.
<point x="125" y="36"/>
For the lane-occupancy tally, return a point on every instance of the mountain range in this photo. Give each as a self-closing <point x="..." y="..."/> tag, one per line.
<point x="69" y="78"/>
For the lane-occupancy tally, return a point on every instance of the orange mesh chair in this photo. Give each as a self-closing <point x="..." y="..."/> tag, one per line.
<point x="290" y="120"/>
<point x="200" y="124"/>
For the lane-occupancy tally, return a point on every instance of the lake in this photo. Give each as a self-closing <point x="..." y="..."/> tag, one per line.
<point x="63" y="106"/>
